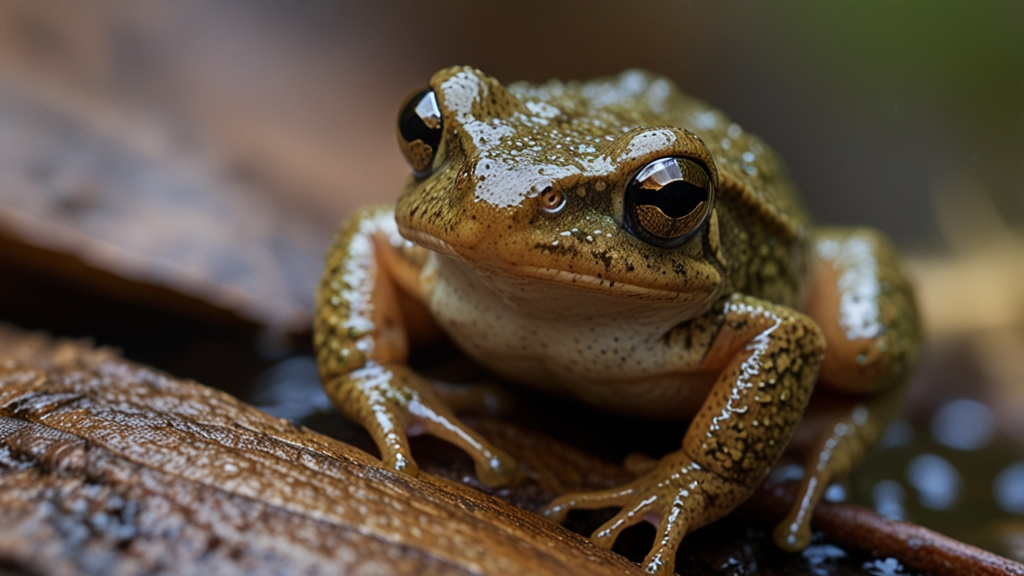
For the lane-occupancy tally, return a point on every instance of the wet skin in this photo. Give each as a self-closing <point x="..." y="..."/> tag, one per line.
<point x="530" y="237"/>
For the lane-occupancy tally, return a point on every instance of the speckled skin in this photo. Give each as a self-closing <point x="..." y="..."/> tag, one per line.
<point x="728" y="330"/>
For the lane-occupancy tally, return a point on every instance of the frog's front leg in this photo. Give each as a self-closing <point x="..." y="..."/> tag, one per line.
<point x="767" y="357"/>
<point x="865" y="307"/>
<point x="361" y="339"/>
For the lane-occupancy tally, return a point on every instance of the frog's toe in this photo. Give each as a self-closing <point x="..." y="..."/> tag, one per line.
<point x="662" y="557"/>
<point x="793" y="534"/>
<point x="393" y="402"/>
<point x="496" y="468"/>
<point x="493" y="466"/>
<point x="560" y="507"/>
<point x="401" y="462"/>
<point x="637" y="511"/>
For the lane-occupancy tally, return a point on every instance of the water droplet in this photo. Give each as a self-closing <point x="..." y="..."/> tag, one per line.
<point x="899" y="433"/>
<point x="889" y="498"/>
<point x="936" y="480"/>
<point x="964" y="425"/>
<point x="835" y="493"/>
<point x="1009" y="488"/>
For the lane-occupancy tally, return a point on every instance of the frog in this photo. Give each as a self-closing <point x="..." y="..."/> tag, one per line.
<point x="629" y="246"/>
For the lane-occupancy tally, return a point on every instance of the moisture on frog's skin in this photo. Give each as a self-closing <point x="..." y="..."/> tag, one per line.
<point x="515" y="244"/>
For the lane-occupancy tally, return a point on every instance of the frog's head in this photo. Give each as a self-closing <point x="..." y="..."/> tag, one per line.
<point x="580" y="184"/>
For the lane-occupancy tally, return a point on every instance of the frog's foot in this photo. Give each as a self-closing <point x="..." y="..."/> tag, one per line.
<point x="392" y="401"/>
<point x="678" y="496"/>
<point x="848" y="428"/>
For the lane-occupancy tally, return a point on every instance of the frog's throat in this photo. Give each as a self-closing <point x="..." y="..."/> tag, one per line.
<point x="553" y="275"/>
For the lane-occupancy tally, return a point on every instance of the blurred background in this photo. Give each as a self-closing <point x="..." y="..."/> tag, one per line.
<point x="193" y="157"/>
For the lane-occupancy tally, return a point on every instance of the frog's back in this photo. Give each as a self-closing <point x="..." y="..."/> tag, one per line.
<point x="764" y="226"/>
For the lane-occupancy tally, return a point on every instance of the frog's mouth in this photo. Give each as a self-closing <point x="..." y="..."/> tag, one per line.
<point x="553" y="275"/>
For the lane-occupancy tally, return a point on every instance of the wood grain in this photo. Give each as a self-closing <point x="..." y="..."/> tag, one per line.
<point x="109" y="467"/>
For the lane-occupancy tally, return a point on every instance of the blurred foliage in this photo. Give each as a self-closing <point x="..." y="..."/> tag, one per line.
<point x="964" y="61"/>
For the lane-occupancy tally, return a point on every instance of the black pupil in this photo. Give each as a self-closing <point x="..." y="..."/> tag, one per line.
<point x="676" y="199"/>
<point x="412" y="122"/>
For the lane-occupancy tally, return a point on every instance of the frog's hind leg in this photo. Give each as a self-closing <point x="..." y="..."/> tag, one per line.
<point x="831" y="442"/>
<point x="362" y="333"/>
<point x="865" y="308"/>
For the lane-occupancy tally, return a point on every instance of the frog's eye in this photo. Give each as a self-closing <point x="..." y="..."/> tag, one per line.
<point x="668" y="200"/>
<point x="419" y="131"/>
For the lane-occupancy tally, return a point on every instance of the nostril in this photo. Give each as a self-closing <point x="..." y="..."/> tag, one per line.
<point x="550" y="200"/>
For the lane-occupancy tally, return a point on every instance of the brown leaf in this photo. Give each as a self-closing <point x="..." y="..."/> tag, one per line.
<point x="93" y="195"/>
<point x="112" y="467"/>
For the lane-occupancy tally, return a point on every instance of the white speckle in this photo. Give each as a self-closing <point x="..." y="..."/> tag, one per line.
<point x="650" y="141"/>
<point x="566" y="233"/>
<point x="860" y="415"/>
<point x="748" y="156"/>
<point x="590" y="238"/>
<point x="543" y="109"/>
<point x="597" y="232"/>
<point x="657" y="94"/>
<point x="734" y="131"/>
<point x="705" y="120"/>
<point x="230" y="468"/>
<point x="726" y="143"/>
<point x="630" y="84"/>
<point x="555" y="243"/>
<point x="859" y="289"/>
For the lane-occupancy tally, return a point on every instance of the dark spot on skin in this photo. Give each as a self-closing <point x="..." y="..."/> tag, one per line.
<point x="603" y="257"/>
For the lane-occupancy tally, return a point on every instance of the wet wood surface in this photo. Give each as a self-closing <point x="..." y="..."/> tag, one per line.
<point x="110" y="467"/>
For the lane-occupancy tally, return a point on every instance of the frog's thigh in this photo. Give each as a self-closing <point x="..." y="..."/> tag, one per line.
<point x="766" y="357"/>
<point x="361" y="339"/>
<point x="866" y="310"/>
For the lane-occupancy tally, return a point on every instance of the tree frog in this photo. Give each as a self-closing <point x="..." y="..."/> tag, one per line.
<point x="623" y="243"/>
